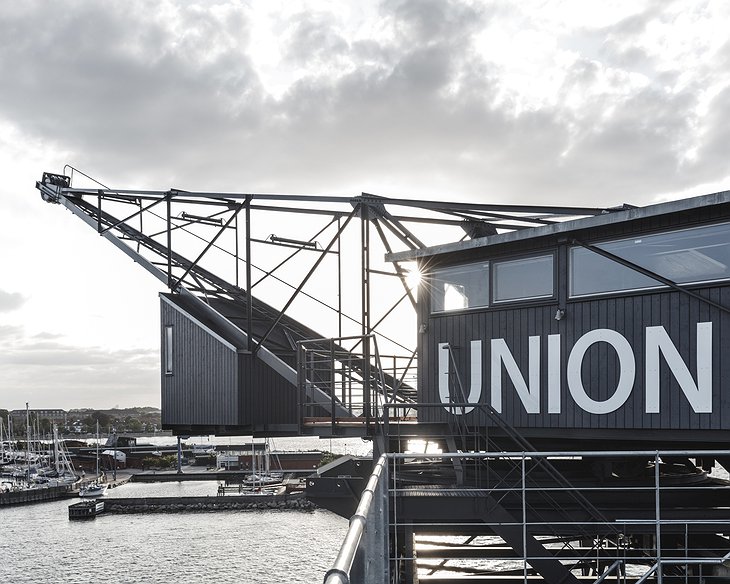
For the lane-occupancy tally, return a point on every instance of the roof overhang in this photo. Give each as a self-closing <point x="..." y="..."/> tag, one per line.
<point x="608" y="218"/>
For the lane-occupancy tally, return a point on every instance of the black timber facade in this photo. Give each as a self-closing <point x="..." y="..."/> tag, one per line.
<point x="535" y="339"/>
<point x="211" y="382"/>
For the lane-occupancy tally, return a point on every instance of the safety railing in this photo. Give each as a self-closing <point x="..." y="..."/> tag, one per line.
<point x="664" y="523"/>
<point x="364" y="555"/>
<point x="352" y="375"/>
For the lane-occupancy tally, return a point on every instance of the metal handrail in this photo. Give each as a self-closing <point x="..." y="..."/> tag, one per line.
<point x="340" y="571"/>
<point x="370" y="384"/>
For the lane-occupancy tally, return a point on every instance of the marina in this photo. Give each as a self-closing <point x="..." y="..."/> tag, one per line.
<point x="157" y="508"/>
<point x="40" y="543"/>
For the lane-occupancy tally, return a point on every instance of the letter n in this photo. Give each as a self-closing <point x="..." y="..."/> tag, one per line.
<point x="501" y="354"/>
<point x="699" y="395"/>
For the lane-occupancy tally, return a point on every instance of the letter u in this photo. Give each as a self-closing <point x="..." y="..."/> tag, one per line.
<point x="475" y="384"/>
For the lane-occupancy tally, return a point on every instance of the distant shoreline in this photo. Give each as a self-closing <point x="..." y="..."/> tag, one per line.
<point x="83" y="435"/>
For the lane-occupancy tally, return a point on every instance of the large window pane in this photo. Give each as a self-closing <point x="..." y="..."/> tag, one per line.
<point x="591" y="273"/>
<point x="700" y="254"/>
<point x="460" y="287"/>
<point x="523" y="279"/>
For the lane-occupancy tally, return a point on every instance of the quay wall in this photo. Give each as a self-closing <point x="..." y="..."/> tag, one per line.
<point x="203" y="504"/>
<point x="224" y="475"/>
<point x="38" y="495"/>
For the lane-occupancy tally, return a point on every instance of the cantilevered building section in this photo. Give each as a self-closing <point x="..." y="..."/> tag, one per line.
<point x="234" y="364"/>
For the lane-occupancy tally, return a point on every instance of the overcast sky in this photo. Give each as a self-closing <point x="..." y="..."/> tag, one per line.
<point x="557" y="102"/>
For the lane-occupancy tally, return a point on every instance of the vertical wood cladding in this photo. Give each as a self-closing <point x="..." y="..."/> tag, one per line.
<point x="628" y="314"/>
<point x="268" y="398"/>
<point x="203" y="387"/>
<point x="215" y="382"/>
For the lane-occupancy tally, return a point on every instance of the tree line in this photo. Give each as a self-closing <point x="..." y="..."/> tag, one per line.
<point x="83" y="421"/>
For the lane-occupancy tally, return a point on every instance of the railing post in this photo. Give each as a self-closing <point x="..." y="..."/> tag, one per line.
<point x="332" y="383"/>
<point x="359" y="559"/>
<point x="377" y="569"/>
<point x="524" y="519"/>
<point x="385" y="522"/>
<point x="657" y="518"/>
<point x="358" y="571"/>
<point x="367" y="386"/>
<point x="301" y="382"/>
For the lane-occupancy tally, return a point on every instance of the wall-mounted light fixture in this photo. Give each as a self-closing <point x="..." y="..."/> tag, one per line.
<point x="560" y="314"/>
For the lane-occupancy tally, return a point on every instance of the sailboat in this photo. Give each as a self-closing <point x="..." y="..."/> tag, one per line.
<point x="97" y="488"/>
<point x="262" y="477"/>
<point x="6" y="455"/>
<point x="62" y="473"/>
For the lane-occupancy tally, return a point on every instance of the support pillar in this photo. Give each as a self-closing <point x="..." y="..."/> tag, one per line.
<point x="179" y="456"/>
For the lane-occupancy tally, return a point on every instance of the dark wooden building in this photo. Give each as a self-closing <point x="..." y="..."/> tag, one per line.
<point x="214" y="382"/>
<point x="608" y="330"/>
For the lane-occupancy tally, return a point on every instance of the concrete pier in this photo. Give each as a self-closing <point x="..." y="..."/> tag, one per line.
<point x="204" y="504"/>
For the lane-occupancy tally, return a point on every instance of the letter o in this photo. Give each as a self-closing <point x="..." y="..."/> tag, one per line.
<point x="627" y="368"/>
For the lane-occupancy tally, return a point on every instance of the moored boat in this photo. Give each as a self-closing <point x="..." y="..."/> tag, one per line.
<point x="93" y="490"/>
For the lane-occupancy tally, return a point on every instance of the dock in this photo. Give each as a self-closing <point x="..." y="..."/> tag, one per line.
<point x="230" y="476"/>
<point x="210" y="503"/>
<point x="36" y="495"/>
<point x="85" y="509"/>
<point x="133" y="505"/>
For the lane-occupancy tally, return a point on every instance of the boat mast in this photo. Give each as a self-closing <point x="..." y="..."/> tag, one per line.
<point x="97" y="449"/>
<point x="27" y="438"/>
<point x="267" y="462"/>
<point x="56" y="454"/>
<point x="11" y="436"/>
<point x="253" y="461"/>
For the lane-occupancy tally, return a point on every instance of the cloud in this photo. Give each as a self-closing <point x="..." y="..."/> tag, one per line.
<point x="531" y="102"/>
<point x="125" y="79"/>
<point x="425" y="97"/>
<point x="46" y="371"/>
<point x="313" y="37"/>
<point x="10" y="301"/>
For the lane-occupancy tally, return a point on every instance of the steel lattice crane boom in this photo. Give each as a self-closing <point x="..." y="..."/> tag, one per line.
<point x="353" y="357"/>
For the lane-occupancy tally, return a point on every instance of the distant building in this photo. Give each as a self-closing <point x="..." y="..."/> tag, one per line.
<point x="58" y="416"/>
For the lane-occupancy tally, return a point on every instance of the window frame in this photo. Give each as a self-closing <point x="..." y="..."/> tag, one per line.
<point x="658" y="286"/>
<point x="168" y="350"/>
<point x="552" y="254"/>
<point x="430" y="280"/>
<point x="489" y="275"/>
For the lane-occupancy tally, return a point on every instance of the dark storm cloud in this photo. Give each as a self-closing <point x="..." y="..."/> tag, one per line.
<point x="10" y="301"/>
<point x="145" y="98"/>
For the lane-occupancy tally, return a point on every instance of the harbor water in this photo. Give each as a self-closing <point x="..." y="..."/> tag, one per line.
<point x="39" y="544"/>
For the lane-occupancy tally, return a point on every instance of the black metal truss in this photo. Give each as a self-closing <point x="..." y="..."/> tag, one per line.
<point x="141" y="235"/>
